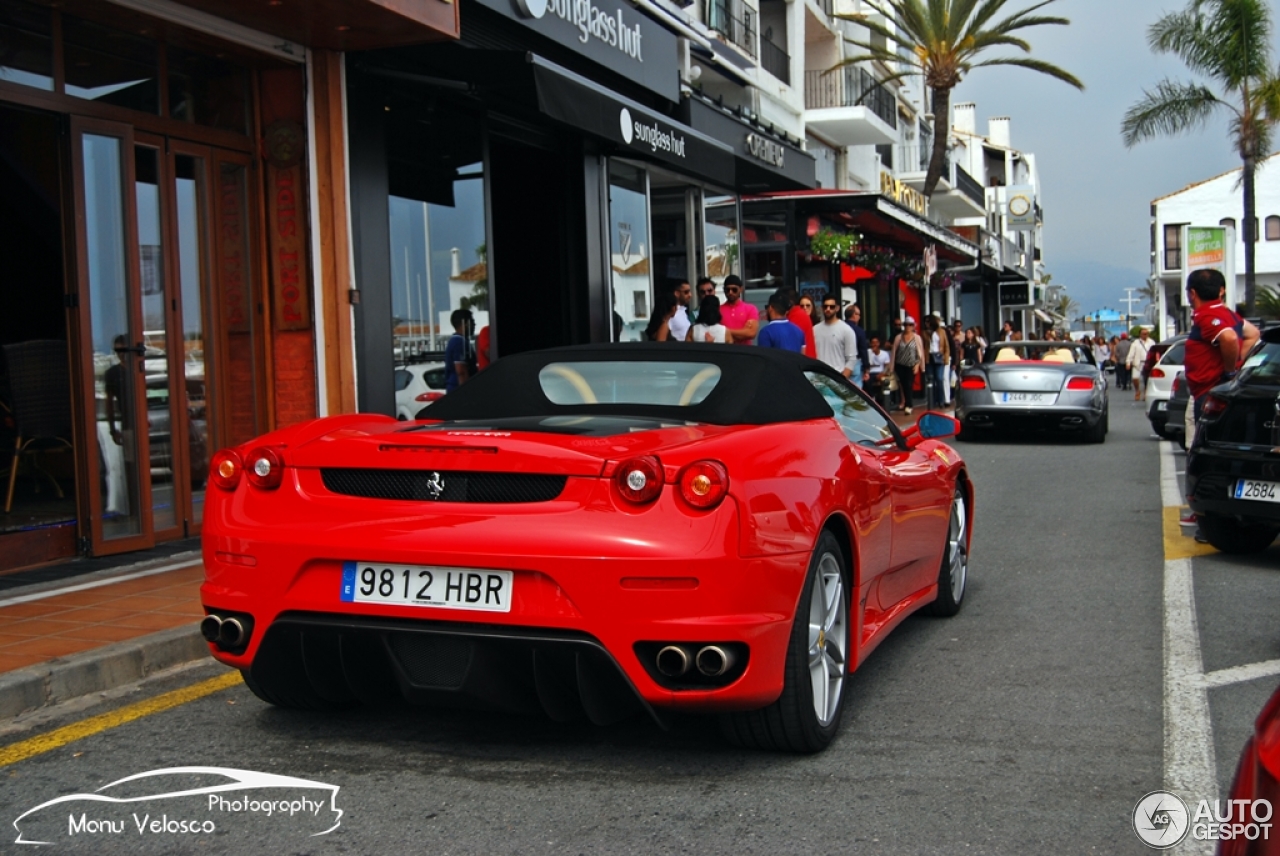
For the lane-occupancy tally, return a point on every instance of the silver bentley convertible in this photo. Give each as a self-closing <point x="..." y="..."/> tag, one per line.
<point x="1033" y="386"/>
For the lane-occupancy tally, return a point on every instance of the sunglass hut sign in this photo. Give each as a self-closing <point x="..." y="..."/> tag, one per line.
<point x="591" y="22"/>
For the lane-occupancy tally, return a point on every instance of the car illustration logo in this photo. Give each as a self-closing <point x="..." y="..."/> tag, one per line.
<point x="435" y="486"/>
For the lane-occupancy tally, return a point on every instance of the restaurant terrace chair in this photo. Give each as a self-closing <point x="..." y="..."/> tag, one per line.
<point x="40" y="389"/>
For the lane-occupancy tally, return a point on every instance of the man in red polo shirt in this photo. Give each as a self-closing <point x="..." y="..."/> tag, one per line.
<point x="738" y="316"/>
<point x="1218" y="339"/>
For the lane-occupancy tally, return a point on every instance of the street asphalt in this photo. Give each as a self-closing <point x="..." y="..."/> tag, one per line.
<point x="1029" y="723"/>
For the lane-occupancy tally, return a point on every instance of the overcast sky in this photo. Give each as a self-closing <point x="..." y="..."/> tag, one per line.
<point x="1096" y="193"/>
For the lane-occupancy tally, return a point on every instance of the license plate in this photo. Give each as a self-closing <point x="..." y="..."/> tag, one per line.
<point x="1263" y="491"/>
<point x="1028" y="397"/>
<point x="421" y="585"/>
<point x="1162" y="405"/>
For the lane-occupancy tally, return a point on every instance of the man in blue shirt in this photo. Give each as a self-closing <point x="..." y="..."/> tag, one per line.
<point x="779" y="332"/>
<point x="456" y="357"/>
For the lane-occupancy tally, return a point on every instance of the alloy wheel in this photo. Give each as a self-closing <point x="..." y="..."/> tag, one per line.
<point x="957" y="547"/>
<point x="828" y="638"/>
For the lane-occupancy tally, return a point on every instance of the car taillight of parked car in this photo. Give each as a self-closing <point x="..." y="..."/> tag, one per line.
<point x="1080" y="383"/>
<point x="1177" y="385"/>
<point x="429" y="397"/>
<point x="264" y="468"/>
<point x="1213" y="407"/>
<point x="703" y="484"/>
<point x="1157" y="372"/>
<point x="972" y="383"/>
<point x="225" y="468"/>
<point x="639" y="480"/>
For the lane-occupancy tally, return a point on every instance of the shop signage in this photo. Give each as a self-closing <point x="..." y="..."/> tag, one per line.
<point x="1020" y="207"/>
<point x="609" y="32"/>
<point x="649" y="133"/>
<point x="766" y="150"/>
<point x="1206" y="247"/>
<point x="290" y="301"/>
<point x="903" y="193"/>
<point x="1015" y="294"/>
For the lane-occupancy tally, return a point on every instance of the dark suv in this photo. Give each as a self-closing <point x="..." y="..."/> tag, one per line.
<point x="1233" y="465"/>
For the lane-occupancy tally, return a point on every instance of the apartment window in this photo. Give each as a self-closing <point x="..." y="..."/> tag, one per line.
<point x="1273" y="228"/>
<point x="1173" y="247"/>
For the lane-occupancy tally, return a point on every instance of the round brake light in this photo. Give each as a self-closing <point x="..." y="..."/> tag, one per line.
<point x="265" y="468"/>
<point x="639" y="480"/>
<point x="703" y="484"/>
<point x="224" y="469"/>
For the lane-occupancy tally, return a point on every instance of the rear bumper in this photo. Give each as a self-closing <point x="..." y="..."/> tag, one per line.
<point x="1054" y="418"/>
<point x="1211" y="478"/>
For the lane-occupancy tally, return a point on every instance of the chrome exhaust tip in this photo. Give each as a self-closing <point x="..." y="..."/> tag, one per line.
<point x="673" y="661"/>
<point x="231" y="634"/>
<point x="211" y="628"/>
<point x="713" y="661"/>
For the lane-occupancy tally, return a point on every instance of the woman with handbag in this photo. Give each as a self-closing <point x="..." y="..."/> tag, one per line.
<point x="939" y="360"/>
<point x="906" y="361"/>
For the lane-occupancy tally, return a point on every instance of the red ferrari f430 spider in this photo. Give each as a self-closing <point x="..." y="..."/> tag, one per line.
<point x="591" y="532"/>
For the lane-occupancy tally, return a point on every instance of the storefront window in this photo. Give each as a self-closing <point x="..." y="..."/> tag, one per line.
<point x="26" y="45"/>
<point x="764" y="238"/>
<point x="208" y="91"/>
<point x="109" y="65"/>
<point x="721" y="253"/>
<point x="629" y="264"/>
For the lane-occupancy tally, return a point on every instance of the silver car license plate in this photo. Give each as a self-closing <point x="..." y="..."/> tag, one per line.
<point x="1028" y="397"/>
<point x="1263" y="491"/>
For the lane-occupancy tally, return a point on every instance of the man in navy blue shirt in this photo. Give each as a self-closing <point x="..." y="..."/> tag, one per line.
<point x="456" y="362"/>
<point x="779" y="332"/>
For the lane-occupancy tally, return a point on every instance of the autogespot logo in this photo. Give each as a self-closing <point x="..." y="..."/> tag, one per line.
<point x="1160" y="820"/>
<point x="624" y="118"/>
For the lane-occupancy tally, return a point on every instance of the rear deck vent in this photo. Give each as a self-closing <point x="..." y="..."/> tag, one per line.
<point x="443" y="486"/>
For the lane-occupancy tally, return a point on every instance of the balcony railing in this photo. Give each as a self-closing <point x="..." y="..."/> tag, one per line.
<point x="776" y="61"/>
<point x="849" y="87"/>
<point x="739" y="31"/>
<point x="969" y="186"/>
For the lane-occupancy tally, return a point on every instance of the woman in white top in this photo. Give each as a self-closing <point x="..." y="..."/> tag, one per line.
<point x="1101" y="352"/>
<point x="708" y="327"/>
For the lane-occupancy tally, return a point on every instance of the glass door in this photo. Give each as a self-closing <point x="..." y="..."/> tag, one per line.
<point x="629" y="265"/>
<point x="113" y="355"/>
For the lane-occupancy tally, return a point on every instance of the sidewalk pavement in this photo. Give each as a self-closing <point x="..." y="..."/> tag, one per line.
<point x="85" y="634"/>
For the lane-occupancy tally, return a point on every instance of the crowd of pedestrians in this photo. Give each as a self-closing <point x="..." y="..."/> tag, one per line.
<point x="890" y="368"/>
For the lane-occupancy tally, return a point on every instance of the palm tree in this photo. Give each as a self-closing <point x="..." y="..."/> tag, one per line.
<point x="1268" y="302"/>
<point x="943" y="41"/>
<point x="1066" y="307"/>
<point x="1228" y="42"/>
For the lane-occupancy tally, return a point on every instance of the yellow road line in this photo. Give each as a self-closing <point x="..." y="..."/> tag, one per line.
<point x="16" y="752"/>
<point x="1177" y="545"/>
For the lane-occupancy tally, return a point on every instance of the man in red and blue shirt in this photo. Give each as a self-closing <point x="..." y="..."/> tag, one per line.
<point x="1218" y="338"/>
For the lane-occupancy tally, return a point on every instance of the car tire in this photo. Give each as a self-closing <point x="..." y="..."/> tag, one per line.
<point x="1228" y="535"/>
<point x="953" y="574"/>
<point x="1098" y="433"/>
<point x="806" y="716"/>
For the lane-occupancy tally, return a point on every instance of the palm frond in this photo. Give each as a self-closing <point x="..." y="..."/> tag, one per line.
<point x="1267" y="302"/>
<point x="1035" y="65"/>
<point x="1171" y="108"/>
<point x="990" y="39"/>
<point x="1021" y="23"/>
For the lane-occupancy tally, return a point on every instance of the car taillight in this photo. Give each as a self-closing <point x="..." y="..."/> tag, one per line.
<point x="1157" y="372"/>
<point x="1177" y="385"/>
<point x="224" y="469"/>
<point x="639" y="480"/>
<point x="1080" y="383"/>
<point x="429" y="396"/>
<point x="703" y="484"/>
<point x="1213" y="407"/>
<point x="264" y="468"/>
<point x="1267" y="735"/>
<point x="972" y="383"/>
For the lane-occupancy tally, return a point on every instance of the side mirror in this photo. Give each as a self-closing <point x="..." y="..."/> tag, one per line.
<point x="935" y="426"/>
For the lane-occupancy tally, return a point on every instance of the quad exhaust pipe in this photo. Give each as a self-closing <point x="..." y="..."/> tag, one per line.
<point x="712" y="661"/>
<point x="227" y="633"/>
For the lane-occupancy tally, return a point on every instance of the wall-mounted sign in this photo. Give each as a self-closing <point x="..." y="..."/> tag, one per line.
<point x="903" y="193"/>
<point x="1020" y="207"/>
<point x="650" y="133"/>
<point x="762" y="148"/>
<point x="1206" y="247"/>
<point x="1015" y="294"/>
<point x="609" y="32"/>
<point x="290" y="299"/>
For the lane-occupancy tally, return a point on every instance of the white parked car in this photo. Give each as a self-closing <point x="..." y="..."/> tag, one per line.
<point x="417" y="386"/>
<point x="1160" y="387"/>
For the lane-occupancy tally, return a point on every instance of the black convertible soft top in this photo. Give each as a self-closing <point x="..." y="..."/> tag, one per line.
<point x="758" y="386"/>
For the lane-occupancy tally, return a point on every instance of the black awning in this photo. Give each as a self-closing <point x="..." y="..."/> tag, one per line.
<point x="636" y="130"/>
<point x="764" y="161"/>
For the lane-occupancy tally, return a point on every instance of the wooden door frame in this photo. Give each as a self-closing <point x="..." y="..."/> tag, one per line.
<point x="83" y="376"/>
